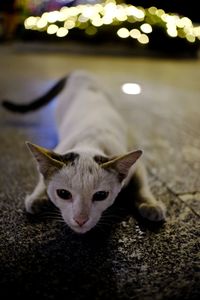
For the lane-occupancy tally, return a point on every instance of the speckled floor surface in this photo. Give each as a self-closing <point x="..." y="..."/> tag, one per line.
<point x="130" y="259"/>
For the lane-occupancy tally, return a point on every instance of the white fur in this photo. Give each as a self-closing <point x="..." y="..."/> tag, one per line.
<point x="87" y="118"/>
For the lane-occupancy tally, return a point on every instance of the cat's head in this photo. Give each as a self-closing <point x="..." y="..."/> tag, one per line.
<point x="82" y="186"/>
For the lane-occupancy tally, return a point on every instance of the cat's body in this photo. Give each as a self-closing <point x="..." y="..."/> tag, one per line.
<point x="92" y="161"/>
<point x="87" y="119"/>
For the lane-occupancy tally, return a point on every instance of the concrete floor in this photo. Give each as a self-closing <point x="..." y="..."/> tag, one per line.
<point x="134" y="259"/>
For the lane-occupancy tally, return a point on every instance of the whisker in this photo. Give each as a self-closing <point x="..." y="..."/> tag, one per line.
<point x="100" y="228"/>
<point x="54" y="218"/>
<point x="50" y="213"/>
<point x="111" y="216"/>
<point x="104" y="222"/>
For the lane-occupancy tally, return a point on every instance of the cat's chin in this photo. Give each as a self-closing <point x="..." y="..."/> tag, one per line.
<point x="80" y="230"/>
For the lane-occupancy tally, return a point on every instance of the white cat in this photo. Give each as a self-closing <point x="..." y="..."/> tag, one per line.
<point x="93" y="160"/>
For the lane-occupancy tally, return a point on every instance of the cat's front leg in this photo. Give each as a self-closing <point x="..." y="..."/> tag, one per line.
<point x="37" y="198"/>
<point x="144" y="200"/>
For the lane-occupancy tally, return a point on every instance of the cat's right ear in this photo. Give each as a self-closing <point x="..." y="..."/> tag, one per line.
<point x="45" y="158"/>
<point x="122" y="164"/>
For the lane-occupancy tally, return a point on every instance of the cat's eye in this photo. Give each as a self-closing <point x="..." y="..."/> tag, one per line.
<point x="100" y="196"/>
<point x="64" y="194"/>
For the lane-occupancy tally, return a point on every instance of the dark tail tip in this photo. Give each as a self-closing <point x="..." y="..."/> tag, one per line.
<point x="13" y="107"/>
<point x="36" y="103"/>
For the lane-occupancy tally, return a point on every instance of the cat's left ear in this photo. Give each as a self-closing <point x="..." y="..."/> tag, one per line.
<point x="122" y="164"/>
<point x="47" y="160"/>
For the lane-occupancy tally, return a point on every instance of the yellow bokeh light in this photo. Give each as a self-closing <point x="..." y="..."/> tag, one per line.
<point x="120" y="14"/>
<point x="65" y="12"/>
<point x="121" y="17"/>
<point x="170" y="20"/>
<point x="89" y="17"/>
<point x="140" y="14"/>
<point x="181" y="34"/>
<point x="188" y="30"/>
<point x="62" y="16"/>
<point x="89" y="11"/>
<point x="196" y="31"/>
<point x="74" y="10"/>
<point x="30" y="22"/>
<point x="123" y="33"/>
<point x="42" y="23"/>
<point x="160" y="12"/>
<point x="172" y="31"/>
<point x="83" y="19"/>
<point x="130" y="10"/>
<point x="152" y="10"/>
<point x="109" y="13"/>
<point x="82" y="25"/>
<point x="61" y="32"/>
<point x="69" y="24"/>
<point x="146" y="28"/>
<point x="52" y="29"/>
<point x="107" y="20"/>
<point x="45" y="15"/>
<point x="190" y="38"/>
<point x="135" y="33"/>
<point x="97" y="21"/>
<point x="186" y="21"/>
<point x="164" y="17"/>
<point x="98" y="7"/>
<point x="91" y="30"/>
<point x="53" y="16"/>
<point x="180" y="23"/>
<point x="143" y="39"/>
<point x="134" y="11"/>
<point x="110" y="8"/>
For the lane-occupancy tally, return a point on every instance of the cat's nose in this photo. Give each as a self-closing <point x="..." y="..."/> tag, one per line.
<point x="81" y="220"/>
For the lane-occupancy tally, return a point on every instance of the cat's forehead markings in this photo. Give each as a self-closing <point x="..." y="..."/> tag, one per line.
<point x="100" y="159"/>
<point x="69" y="157"/>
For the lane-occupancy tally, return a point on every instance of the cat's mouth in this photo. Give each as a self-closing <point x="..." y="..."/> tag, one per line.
<point x="81" y="229"/>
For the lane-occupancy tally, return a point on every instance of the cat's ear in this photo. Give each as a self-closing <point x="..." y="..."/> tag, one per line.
<point x="123" y="163"/>
<point x="46" y="159"/>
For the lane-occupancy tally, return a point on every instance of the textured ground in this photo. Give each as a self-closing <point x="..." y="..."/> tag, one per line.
<point x="130" y="259"/>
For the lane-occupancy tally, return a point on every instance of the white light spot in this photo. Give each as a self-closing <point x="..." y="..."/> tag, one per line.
<point x="30" y="22"/>
<point x="135" y="33"/>
<point x="146" y="28"/>
<point x="52" y="29"/>
<point x="123" y="33"/>
<point x="131" y="88"/>
<point x="62" y="31"/>
<point x="143" y="39"/>
<point x="53" y="16"/>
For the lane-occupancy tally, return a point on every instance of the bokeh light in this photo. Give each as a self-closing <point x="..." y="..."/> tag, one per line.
<point x="131" y="88"/>
<point x="135" y="22"/>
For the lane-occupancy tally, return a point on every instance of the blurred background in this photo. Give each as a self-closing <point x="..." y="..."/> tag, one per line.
<point x="123" y="26"/>
<point x="147" y="53"/>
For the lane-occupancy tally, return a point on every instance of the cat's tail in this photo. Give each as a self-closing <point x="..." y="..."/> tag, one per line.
<point x="36" y="103"/>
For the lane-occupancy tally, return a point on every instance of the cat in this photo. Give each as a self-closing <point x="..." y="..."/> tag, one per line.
<point x="93" y="160"/>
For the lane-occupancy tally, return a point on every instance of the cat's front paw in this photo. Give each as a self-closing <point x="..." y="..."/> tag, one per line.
<point x="33" y="205"/>
<point x="153" y="212"/>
